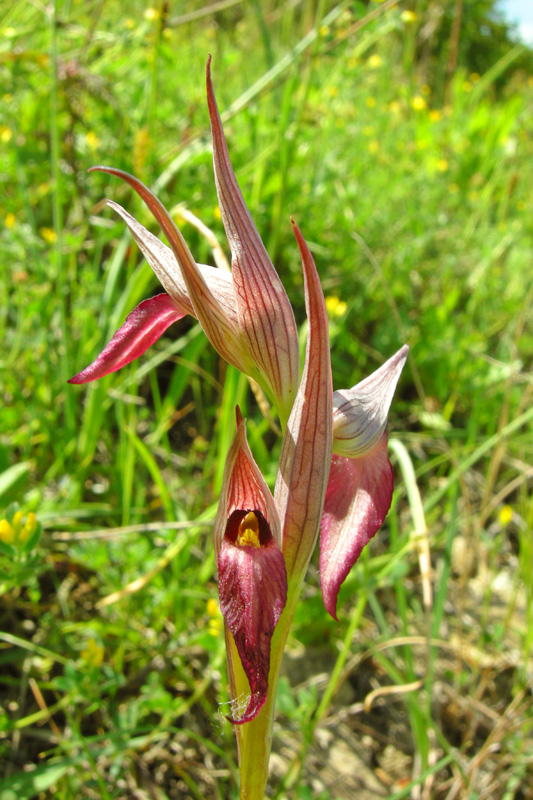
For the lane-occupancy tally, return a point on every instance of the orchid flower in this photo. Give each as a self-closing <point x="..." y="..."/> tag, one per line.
<point x="334" y="477"/>
<point x="360" y="484"/>
<point x="246" y="316"/>
<point x="263" y="543"/>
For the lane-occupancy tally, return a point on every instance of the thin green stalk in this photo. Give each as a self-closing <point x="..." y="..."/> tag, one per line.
<point x="64" y="361"/>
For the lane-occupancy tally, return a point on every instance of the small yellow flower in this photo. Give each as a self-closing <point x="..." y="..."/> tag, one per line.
<point x="29" y="528"/>
<point x="49" y="235"/>
<point x="212" y="607"/>
<point x="335" y="307"/>
<point x="5" y="134"/>
<point x="93" y="655"/>
<point x="216" y="213"/>
<point x="505" y="516"/>
<point x="323" y="30"/>
<point x="370" y="102"/>
<point x="418" y="103"/>
<point x="92" y="140"/>
<point x="395" y="107"/>
<point x="10" y="220"/>
<point x="374" y="62"/>
<point x="129" y="23"/>
<point x="151" y="14"/>
<point x="7" y="534"/>
<point x="435" y="115"/>
<point x="408" y="17"/>
<point x="373" y="146"/>
<point x="442" y="165"/>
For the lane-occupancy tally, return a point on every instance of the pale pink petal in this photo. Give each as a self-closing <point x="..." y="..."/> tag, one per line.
<point x="306" y="449"/>
<point x="358" y="498"/>
<point x="253" y="593"/>
<point x="142" y="327"/>
<point x="166" y="268"/>
<point x="360" y="414"/>
<point x="265" y="313"/>
<point x="218" y="327"/>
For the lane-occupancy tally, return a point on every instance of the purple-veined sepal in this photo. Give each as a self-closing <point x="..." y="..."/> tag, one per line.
<point x="266" y="318"/>
<point x="360" y="484"/>
<point x="306" y="449"/>
<point x="142" y="327"/>
<point x="251" y="567"/>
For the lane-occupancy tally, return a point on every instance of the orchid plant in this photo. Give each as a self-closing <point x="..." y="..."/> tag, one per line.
<point x="334" y="479"/>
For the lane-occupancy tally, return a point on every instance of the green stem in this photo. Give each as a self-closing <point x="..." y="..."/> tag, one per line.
<point x="255" y="738"/>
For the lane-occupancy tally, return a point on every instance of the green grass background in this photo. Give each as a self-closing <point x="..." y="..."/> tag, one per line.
<point x="412" y="186"/>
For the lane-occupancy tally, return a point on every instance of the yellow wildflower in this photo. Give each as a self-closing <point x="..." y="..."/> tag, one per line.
<point x="335" y="307"/>
<point x="442" y="165"/>
<point x="129" y="23"/>
<point x="48" y="234"/>
<point x="5" y="134"/>
<point x="151" y="14"/>
<point x="10" y="220"/>
<point x="505" y="516"/>
<point x="7" y="534"/>
<point x="373" y="146"/>
<point x="435" y="115"/>
<point x="374" y="62"/>
<point x="93" y="655"/>
<point x="408" y="17"/>
<point x="212" y="607"/>
<point x="370" y="102"/>
<point x="92" y="140"/>
<point x="395" y="107"/>
<point x="418" y="103"/>
<point x="323" y="30"/>
<point x="216" y="213"/>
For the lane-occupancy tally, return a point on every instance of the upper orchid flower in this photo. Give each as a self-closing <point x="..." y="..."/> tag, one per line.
<point x="262" y="543"/>
<point x="359" y="490"/>
<point x="247" y="316"/>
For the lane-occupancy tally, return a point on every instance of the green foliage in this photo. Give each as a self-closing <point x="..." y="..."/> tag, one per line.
<point x="412" y="186"/>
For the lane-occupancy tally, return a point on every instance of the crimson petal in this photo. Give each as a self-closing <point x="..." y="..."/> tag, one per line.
<point x="142" y="327"/>
<point x="358" y="497"/>
<point x="253" y="593"/>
